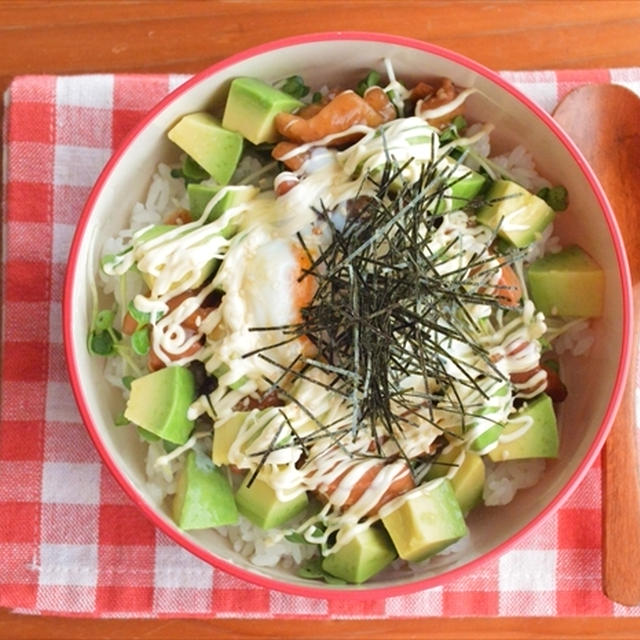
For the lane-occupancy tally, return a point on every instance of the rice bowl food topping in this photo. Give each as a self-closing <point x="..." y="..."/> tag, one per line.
<point x="334" y="320"/>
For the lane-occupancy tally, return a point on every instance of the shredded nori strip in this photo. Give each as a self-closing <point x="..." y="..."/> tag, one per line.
<point x="385" y="307"/>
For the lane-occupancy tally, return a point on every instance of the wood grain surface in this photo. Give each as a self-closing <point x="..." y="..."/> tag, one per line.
<point x="61" y="37"/>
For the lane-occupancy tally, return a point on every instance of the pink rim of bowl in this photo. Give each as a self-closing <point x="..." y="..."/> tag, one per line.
<point x="315" y="590"/>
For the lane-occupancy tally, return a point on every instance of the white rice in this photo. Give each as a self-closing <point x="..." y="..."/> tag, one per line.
<point x="519" y="164"/>
<point x="504" y="479"/>
<point x="247" y="167"/>
<point x="577" y="340"/>
<point x="161" y="478"/>
<point x="262" y="548"/>
<point x="114" y="372"/>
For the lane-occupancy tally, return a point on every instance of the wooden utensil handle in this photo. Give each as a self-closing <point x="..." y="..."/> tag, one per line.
<point x="604" y="122"/>
<point x="621" y="508"/>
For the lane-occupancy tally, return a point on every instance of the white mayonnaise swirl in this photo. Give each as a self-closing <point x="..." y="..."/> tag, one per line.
<point x="305" y="444"/>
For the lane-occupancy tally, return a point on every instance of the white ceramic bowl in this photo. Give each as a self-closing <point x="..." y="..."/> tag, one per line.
<point x="343" y="58"/>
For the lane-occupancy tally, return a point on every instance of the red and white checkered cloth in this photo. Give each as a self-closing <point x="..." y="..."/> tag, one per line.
<point x="71" y="542"/>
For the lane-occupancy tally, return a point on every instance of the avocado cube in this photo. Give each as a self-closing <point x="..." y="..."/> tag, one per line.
<point x="224" y="435"/>
<point x="424" y="520"/>
<point x="201" y="194"/>
<point x="483" y="418"/>
<point x="226" y="432"/>
<point x="159" y="402"/>
<point x="203" y="496"/>
<point x="531" y="433"/>
<point x="466" y="472"/>
<point x="486" y="438"/>
<point x="468" y="482"/>
<point x="518" y="215"/>
<point x="568" y="283"/>
<point x="216" y="149"/>
<point x="366" y="554"/>
<point x="252" y="106"/>
<point x="461" y="189"/>
<point x="262" y="506"/>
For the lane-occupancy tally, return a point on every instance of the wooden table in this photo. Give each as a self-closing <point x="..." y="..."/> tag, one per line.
<point x="79" y="36"/>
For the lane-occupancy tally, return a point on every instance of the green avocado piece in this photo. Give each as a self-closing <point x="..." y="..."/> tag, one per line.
<point x="483" y="416"/>
<point x="466" y="472"/>
<point x="224" y="435"/>
<point x="147" y="435"/>
<point x="568" y="283"/>
<point x="203" y="496"/>
<point x="519" y="215"/>
<point x="424" y="520"/>
<point x="366" y="554"/>
<point x="262" y="506"/>
<point x="192" y="171"/>
<point x="226" y="431"/>
<point x="216" y="149"/>
<point x="200" y="194"/>
<point x="252" y="106"/>
<point x="538" y="440"/>
<point x="159" y="402"/>
<point x="159" y="229"/>
<point x="153" y="232"/>
<point x="486" y="438"/>
<point x="462" y="188"/>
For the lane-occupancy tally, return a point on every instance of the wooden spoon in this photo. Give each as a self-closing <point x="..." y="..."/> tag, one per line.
<point x="604" y="122"/>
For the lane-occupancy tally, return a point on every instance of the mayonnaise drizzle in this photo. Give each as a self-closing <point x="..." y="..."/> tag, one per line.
<point x="335" y="460"/>
<point x="334" y="179"/>
<point x="443" y="110"/>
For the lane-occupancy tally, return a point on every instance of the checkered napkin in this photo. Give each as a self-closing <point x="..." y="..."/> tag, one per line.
<point x="71" y="542"/>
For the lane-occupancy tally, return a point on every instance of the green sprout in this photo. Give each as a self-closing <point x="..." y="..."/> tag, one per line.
<point x="295" y="87"/>
<point x="370" y="80"/>
<point x="556" y="197"/>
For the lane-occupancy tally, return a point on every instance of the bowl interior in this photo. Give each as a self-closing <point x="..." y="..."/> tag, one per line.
<point x="592" y="388"/>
